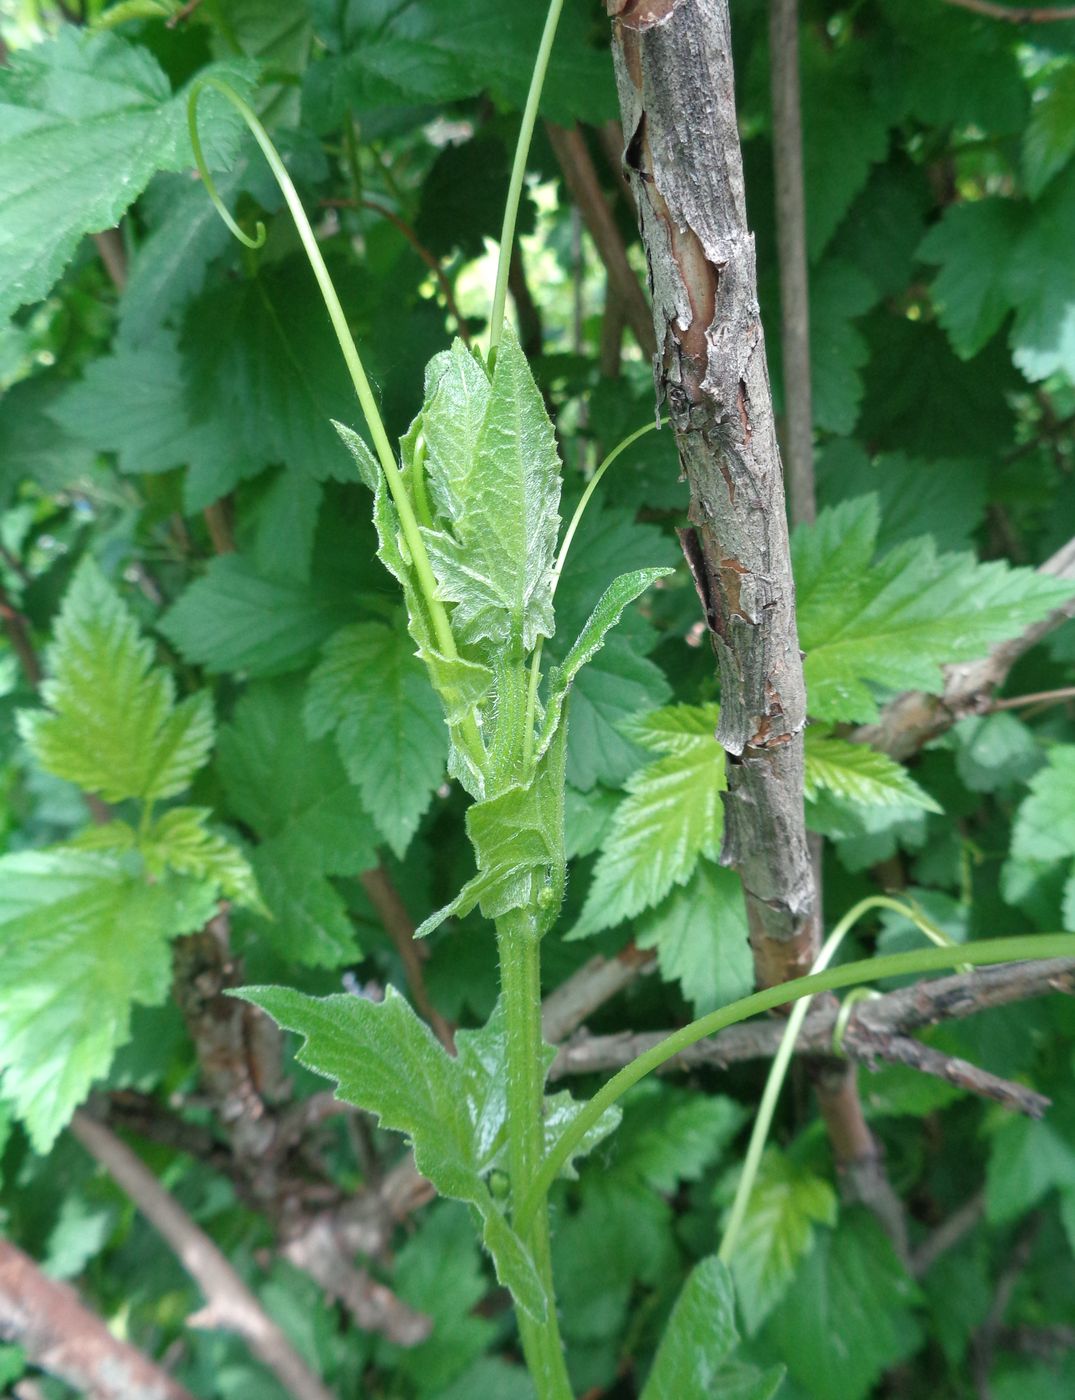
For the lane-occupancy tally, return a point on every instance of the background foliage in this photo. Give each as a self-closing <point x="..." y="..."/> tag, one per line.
<point x="187" y="553"/>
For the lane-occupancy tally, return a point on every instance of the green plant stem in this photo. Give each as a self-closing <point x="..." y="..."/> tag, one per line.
<point x="408" y="522"/>
<point x="992" y="951"/>
<point x="518" y="942"/>
<point x="782" y="1059"/>
<point x="558" y="568"/>
<point x="518" y="174"/>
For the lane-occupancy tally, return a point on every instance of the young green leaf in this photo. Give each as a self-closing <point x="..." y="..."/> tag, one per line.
<point x="605" y="615"/>
<point x="83" y="937"/>
<point x="493" y="559"/>
<point x="700" y="933"/>
<point x="181" y="841"/>
<point x="777" y="1233"/>
<point x="697" y="1351"/>
<point x="894" y="621"/>
<point x="518" y="838"/>
<point x="112" y="725"/>
<point x="88" y="119"/>
<point x="670" y="818"/>
<point x="373" y="694"/>
<point x="859" y="774"/>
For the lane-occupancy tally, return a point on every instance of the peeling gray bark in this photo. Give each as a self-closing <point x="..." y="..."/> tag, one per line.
<point x="674" y="73"/>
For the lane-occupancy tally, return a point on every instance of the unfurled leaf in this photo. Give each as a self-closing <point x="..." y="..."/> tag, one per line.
<point x="1043" y="834"/>
<point x="452" y="1109"/>
<point x="973" y="244"/>
<point x="180" y="840"/>
<point x="670" y="818"/>
<point x="1041" y="283"/>
<point x="616" y="685"/>
<point x="112" y="724"/>
<point x="88" y="118"/>
<point x="373" y="694"/>
<point x="777" y="1232"/>
<point x="700" y="934"/>
<point x="697" y="1352"/>
<point x="859" y="774"/>
<point x="847" y="1314"/>
<point x="83" y="937"/>
<point x="894" y="621"/>
<point x="1049" y="139"/>
<point x="234" y="618"/>
<point x="1027" y="1160"/>
<point x="493" y="554"/>
<point x="605" y="615"/>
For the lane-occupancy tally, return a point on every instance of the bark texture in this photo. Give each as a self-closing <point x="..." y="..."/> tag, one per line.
<point x="65" y="1339"/>
<point x="674" y="72"/>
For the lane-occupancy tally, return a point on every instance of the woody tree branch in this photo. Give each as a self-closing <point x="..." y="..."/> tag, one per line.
<point x="61" y="1336"/>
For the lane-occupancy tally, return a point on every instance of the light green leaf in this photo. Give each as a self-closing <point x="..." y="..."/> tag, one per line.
<point x="112" y="725"/>
<point x="453" y="1110"/>
<point x="670" y="818"/>
<point x="846" y="1317"/>
<point x="700" y="933"/>
<point x="973" y="244"/>
<point x="778" y="1231"/>
<point x="180" y="840"/>
<point x="457" y="393"/>
<point x="1049" y="138"/>
<point x="1044" y="826"/>
<point x="605" y="615"/>
<point x="696" y="1356"/>
<point x="373" y="694"/>
<point x="518" y="839"/>
<point x="617" y="684"/>
<point x="83" y="937"/>
<point x="294" y="793"/>
<point x="858" y="773"/>
<point x="87" y="119"/>
<point x="494" y="558"/>
<point x="233" y="618"/>
<point x="894" y="621"/>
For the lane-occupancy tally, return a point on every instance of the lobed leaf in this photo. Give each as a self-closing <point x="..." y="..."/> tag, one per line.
<point x="858" y="773"/>
<point x="112" y="725"/>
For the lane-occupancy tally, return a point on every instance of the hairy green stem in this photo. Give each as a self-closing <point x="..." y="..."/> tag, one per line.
<point x="558" y="568"/>
<point x="518" y="173"/>
<point x="518" y="942"/>
<point x="782" y="1059"/>
<point x="408" y="523"/>
<point x="992" y="951"/>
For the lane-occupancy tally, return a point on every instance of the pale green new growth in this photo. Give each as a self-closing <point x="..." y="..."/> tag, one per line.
<point x="84" y="936"/>
<point x="113" y="726"/>
<point x="894" y="621"/>
<point x="777" y="1232"/>
<point x="859" y="774"/>
<point x="671" y="817"/>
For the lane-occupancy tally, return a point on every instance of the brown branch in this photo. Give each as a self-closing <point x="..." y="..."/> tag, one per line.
<point x="113" y="255"/>
<point x="230" y="1305"/>
<point x="17" y="628"/>
<point x="217" y="519"/>
<point x="430" y="259"/>
<point x="1015" y="14"/>
<point x="912" y="719"/>
<point x="877" y="1029"/>
<point x="948" y="1234"/>
<point x="61" y="1336"/>
<point x="596" y="982"/>
<point x="1039" y="697"/>
<point x="791" y="255"/>
<point x="580" y="176"/>
<point x="393" y="913"/>
<point x="531" y="329"/>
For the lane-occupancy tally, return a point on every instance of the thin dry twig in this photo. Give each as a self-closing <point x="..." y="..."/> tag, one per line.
<point x="230" y="1305"/>
<point x="59" y="1334"/>
<point x="1016" y="14"/>
<point x="399" y="925"/>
